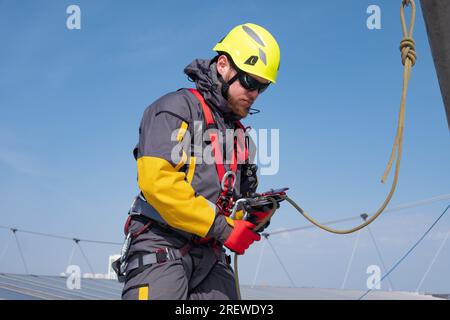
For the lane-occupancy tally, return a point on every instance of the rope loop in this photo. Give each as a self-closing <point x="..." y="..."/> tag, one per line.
<point x="408" y="53"/>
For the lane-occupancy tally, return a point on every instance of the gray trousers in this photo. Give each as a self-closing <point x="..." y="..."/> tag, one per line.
<point x="199" y="275"/>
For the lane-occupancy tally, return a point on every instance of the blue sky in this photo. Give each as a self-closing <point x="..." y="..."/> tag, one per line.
<point x="71" y="102"/>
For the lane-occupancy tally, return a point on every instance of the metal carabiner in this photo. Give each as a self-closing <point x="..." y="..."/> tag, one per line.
<point x="236" y="207"/>
<point x="125" y="248"/>
<point x="225" y="177"/>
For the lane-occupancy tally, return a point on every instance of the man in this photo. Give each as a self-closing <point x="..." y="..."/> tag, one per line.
<point x="180" y="222"/>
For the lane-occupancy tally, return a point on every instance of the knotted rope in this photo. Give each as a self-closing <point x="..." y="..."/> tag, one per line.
<point x="408" y="55"/>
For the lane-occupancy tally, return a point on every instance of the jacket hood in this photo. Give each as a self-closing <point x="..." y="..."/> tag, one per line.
<point x="204" y="74"/>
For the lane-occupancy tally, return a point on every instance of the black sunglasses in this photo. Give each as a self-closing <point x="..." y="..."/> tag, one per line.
<point x="248" y="82"/>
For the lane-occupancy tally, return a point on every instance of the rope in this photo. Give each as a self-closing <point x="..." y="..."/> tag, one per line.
<point x="71" y="254"/>
<point x="20" y="251"/>
<point x="358" y="217"/>
<point x="305" y="227"/>
<point x="409" y="251"/>
<point x="60" y="237"/>
<point x="350" y="261"/>
<point x="380" y="257"/>
<point x="259" y="226"/>
<point x="236" y="277"/>
<point x="77" y="242"/>
<point x="408" y="55"/>
<point x="433" y="261"/>
<point x="281" y="263"/>
<point x="259" y="261"/>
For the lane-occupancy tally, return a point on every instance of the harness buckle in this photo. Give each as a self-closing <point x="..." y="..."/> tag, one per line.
<point x="162" y="255"/>
<point x="125" y="248"/>
<point x="228" y="175"/>
<point x="120" y="265"/>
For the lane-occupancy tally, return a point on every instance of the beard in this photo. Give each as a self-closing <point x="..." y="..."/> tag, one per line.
<point x="241" y="108"/>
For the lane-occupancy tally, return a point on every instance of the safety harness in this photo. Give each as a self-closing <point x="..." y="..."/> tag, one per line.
<point x="240" y="154"/>
<point x="126" y="266"/>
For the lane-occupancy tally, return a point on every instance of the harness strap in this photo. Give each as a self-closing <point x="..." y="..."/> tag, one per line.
<point x="140" y="231"/>
<point x="162" y="255"/>
<point x="213" y="135"/>
<point x="240" y="152"/>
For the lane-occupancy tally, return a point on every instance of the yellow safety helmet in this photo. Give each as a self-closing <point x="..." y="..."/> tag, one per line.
<point x="253" y="50"/>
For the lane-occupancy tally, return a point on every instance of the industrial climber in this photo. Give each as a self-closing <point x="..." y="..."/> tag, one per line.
<point x="180" y="222"/>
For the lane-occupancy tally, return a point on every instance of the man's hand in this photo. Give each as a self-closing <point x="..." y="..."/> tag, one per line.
<point x="241" y="237"/>
<point x="257" y="215"/>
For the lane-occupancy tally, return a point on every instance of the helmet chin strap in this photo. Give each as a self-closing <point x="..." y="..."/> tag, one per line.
<point x="226" y="84"/>
<point x="226" y="87"/>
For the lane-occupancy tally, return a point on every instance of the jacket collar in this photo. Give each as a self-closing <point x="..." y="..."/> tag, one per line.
<point x="204" y="74"/>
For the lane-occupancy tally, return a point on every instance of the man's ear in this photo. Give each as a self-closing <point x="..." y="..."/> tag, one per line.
<point x="223" y="65"/>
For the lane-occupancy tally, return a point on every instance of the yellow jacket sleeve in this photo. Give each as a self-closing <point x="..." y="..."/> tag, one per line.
<point x="167" y="191"/>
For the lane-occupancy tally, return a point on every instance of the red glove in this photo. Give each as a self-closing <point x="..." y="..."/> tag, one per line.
<point x="257" y="217"/>
<point x="241" y="237"/>
<point x="260" y="216"/>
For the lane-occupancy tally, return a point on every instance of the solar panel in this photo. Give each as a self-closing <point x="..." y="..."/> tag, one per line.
<point x="53" y="287"/>
<point x="26" y="287"/>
